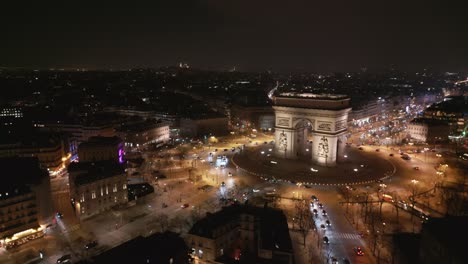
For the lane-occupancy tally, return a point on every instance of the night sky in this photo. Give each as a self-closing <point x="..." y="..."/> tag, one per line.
<point x="251" y="35"/>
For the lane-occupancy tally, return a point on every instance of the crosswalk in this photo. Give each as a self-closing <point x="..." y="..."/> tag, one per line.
<point x="340" y="235"/>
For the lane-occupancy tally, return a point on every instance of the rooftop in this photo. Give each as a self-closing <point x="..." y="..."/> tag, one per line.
<point x="23" y="172"/>
<point x="94" y="171"/>
<point x="323" y="96"/>
<point x="427" y="121"/>
<point x="447" y="231"/>
<point x="157" y="248"/>
<point x="99" y="141"/>
<point x="455" y="104"/>
<point x="274" y="233"/>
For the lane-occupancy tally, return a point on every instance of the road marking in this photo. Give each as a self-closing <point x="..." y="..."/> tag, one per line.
<point x="346" y="235"/>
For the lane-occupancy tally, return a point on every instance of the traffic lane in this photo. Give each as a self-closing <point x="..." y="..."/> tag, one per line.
<point x="340" y="228"/>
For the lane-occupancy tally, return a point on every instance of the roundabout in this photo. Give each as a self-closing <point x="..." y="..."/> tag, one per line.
<point x="355" y="168"/>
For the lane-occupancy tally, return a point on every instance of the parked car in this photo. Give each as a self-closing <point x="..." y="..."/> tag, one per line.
<point x="314" y="198"/>
<point x="91" y="244"/>
<point x="64" y="259"/>
<point x="325" y="240"/>
<point x="324" y="213"/>
<point x="185" y="205"/>
<point x="59" y="215"/>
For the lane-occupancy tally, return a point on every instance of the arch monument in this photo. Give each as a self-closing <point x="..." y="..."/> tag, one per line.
<point x="325" y="116"/>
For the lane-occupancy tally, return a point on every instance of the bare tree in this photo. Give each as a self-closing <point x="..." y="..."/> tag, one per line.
<point x="304" y="218"/>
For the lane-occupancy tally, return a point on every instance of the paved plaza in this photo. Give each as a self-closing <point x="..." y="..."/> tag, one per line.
<point x="357" y="168"/>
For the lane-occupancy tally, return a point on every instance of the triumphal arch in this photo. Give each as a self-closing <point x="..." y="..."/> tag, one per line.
<point x="324" y="116"/>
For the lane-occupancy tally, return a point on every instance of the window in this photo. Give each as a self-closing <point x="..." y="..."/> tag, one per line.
<point x="115" y="188"/>
<point x="115" y="199"/>
<point x="93" y="195"/>
<point x="82" y="198"/>
<point x="124" y="186"/>
<point x="102" y="191"/>
<point x="107" y="189"/>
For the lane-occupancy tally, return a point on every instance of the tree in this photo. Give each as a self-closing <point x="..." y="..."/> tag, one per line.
<point x="304" y="218"/>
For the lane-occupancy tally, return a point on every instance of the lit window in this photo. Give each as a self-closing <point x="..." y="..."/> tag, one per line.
<point x="115" y="188"/>
<point x="82" y="198"/>
<point x="107" y="189"/>
<point x="115" y="199"/>
<point x="93" y="194"/>
<point x="102" y="191"/>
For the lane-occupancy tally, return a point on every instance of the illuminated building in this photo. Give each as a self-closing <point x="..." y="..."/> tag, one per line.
<point x="325" y="116"/>
<point x="241" y="233"/>
<point x="138" y="135"/>
<point x="453" y="110"/>
<point x="101" y="148"/>
<point x="96" y="187"/>
<point x="25" y="202"/>
<point x="428" y="130"/>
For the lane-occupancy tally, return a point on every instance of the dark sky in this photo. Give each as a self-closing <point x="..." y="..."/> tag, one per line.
<point x="284" y="35"/>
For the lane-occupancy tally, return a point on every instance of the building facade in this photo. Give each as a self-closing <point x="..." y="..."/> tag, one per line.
<point x="101" y="148"/>
<point x="428" y="131"/>
<point x="96" y="187"/>
<point x="25" y="202"/>
<point x="138" y="135"/>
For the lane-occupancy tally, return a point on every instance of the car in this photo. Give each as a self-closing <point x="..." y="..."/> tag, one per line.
<point x="346" y="261"/>
<point x="328" y="223"/>
<point x="225" y="149"/>
<point x="416" y="168"/>
<point x="325" y="240"/>
<point x="322" y="226"/>
<point x="59" y="215"/>
<point x="324" y="213"/>
<point x="64" y="259"/>
<point x="358" y="251"/>
<point x="320" y="205"/>
<point x="230" y="174"/>
<point x="334" y="260"/>
<point x="391" y="154"/>
<point x="314" y="198"/>
<point x="91" y="244"/>
<point x="360" y="148"/>
<point x="315" y="211"/>
<point x="223" y="184"/>
<point x="185" y="205"/>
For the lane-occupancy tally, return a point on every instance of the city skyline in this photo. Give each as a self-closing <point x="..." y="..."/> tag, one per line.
<point x="214" y="35"/>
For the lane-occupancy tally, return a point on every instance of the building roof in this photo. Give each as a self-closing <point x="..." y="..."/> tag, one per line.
<point x="274" y="232"/>
<point x="142" y="126"/>
<point x="157" y="248"/>
<point x="322" y="96"/>
<point x="429" y="121"/>
<point x="94" y="171"/>
<point x="456" y="104"/>
<point x="448" y="231"/>
<point x="23" y="172"/>
<point x="99" y="141"/>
